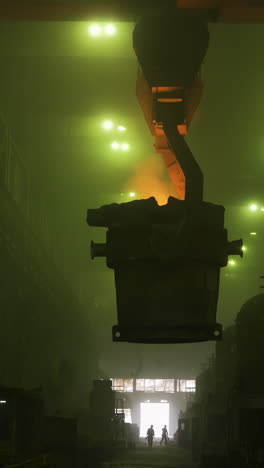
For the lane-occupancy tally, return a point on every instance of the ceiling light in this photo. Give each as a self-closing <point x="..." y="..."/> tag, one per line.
<point x="108" y="125"/>
<point x="115" y="145"/>
<point x="110" y="29"/>
<point x="95" y="30"/>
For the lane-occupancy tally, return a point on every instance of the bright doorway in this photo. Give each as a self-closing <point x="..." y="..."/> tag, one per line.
<point x="156" y="414"/>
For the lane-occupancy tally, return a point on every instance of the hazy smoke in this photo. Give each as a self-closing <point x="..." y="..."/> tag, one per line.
<point x="151" y="179"/>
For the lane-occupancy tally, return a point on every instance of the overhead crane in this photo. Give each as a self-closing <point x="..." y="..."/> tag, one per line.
<point x="166" y="259"/>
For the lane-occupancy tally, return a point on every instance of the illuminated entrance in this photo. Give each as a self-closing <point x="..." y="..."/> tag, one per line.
<point x="156" y="414"/>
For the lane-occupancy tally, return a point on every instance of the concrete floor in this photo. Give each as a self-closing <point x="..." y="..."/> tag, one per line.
<point x="107" y="457"/>
<point x="155" y="457"/>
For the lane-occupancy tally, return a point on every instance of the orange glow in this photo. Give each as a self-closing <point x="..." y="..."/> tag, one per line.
<point x="151" y="180"/>
<point x="170" y="100"/>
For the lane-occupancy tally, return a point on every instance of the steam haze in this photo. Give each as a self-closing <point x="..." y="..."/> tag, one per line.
<point x="58" y="85"/>
<point x="151" y="179"/>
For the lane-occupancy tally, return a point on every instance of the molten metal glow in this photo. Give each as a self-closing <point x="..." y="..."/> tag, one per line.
<point x="150" y="180"/>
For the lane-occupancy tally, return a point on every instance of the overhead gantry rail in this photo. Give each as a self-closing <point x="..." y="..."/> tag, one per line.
<point x="230" y="11"/>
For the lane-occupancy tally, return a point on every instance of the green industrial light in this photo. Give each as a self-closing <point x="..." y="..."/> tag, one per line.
<point x="95" y="30"/>
<point x="110" y="29"/>
<point x="121" y="128"/>
<point x="108" y="125"/>
<point x="253" y="207"/>
<point x="132" y="194"/>
<point x="115" y="145"/>
<point x="125" y="146"/>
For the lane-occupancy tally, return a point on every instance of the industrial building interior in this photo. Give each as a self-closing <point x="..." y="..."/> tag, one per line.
<point x="74" y="136"/>
<point x="156" y="401"/>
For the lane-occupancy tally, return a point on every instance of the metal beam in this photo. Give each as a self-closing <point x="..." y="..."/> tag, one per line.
<point x="52" y="10"/>
<point x="183" y="155"/>
<point x="229" y="11"/>
<point x="219" y="4"/>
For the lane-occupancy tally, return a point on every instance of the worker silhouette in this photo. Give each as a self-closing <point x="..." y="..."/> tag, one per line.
<point x="150" y="435"/>
<point x="164" y="435"/>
